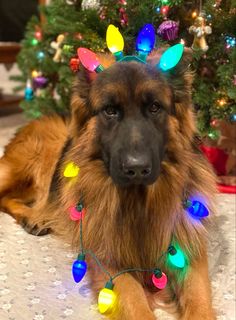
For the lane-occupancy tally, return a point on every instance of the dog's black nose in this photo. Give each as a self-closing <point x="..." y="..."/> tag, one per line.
<point x="136" y="167"/>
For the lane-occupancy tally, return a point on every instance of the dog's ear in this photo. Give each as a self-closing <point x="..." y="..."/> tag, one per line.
<point x="80" y="111"/>
<point x="180" y="77"/>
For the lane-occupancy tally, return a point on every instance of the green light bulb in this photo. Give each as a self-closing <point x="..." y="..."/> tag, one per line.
<point x="171" y="57"/>
<point x="176" y="256"/>
<point x="34" y="42"/>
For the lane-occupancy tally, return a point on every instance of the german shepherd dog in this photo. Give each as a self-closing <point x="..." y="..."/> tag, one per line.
<point x="131" y="132"/>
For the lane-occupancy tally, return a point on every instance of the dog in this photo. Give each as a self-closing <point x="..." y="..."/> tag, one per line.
<point x="131" y="133"/>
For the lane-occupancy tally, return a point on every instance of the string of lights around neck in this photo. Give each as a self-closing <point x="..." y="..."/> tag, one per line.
<point x="173" y="256"/>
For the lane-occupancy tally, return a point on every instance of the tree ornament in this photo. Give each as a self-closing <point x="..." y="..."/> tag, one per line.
<point x="35" y="73"/>
<point x="233" y="117"/>
<point x="57" y="45"/>
<point x="123" y="17"/>
<point x="159" y="279"/>
<point x="213" y="134"/>
<point x="74" y="64"/>
<point x="90" y="4"/>
<point x="29" y="93"/>
<point x="230" y="42"/>
<point x="78" y="36"/>
<point x="67" y="48"/>
<point x="38" y="35"/>
<point x="165" y="10"/>
<point x="34" y="42"/>
<point x="79" y="268"/>
<point x="40" y="55"/>
<point x="214" y="123"/>
<point x="40" y="82"/>
<point x="200" y="30"/>
<point x="168" y="30"/>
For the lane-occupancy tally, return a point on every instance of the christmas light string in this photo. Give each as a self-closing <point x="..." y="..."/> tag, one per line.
<point x="107" y="298"/>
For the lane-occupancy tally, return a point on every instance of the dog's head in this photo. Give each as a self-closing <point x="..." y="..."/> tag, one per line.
<point x="131" y="103"/>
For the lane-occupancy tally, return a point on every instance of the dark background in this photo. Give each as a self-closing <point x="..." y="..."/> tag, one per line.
<point x="14" y="15"/>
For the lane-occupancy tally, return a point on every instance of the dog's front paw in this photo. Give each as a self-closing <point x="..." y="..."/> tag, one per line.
<point x="34" y="229"/>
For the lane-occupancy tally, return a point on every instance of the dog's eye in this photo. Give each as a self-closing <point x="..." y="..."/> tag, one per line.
<point x="154" y="107"/>
<point x="111" y="112"/>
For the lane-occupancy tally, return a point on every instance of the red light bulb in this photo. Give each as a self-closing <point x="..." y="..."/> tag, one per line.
<point x="89" y="60"/>
<point x="159" y="279"/>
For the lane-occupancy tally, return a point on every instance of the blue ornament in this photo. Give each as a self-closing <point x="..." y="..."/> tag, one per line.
<point x="197" y="209"/>
<point x="40" y="55"/>
<point x="233" y="117"/>
<point x="29" y="93"/>
<point x="79" y="268"/>
<point x="146" y="39"/>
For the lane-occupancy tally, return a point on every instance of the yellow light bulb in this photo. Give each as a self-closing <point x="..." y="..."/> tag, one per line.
<point x="194" y="14"/>
<point x="34" y="73"/>
<point x="115" y="41"/>
<point x="106" y="301"/>
<point x="71" y="170"/>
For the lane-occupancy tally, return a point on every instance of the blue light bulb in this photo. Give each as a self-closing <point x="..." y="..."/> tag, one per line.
<point x="29" y="93"/>
<point x="176" y="257"/>
<point x="197" y="209"/>
<point x="171" y="57"/>
<point x="146" y="39"/>
<point x="79" y="268"/>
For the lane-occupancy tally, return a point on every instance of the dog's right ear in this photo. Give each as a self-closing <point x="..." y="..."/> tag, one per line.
<point x="80" y="111"/>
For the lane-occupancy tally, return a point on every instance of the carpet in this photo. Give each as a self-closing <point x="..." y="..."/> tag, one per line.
<point x="35" y="272"/>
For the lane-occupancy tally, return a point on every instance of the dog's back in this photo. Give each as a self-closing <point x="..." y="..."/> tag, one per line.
<point x="29" y="161"/>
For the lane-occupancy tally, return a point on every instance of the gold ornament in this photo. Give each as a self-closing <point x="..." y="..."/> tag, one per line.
<point x="200" y="30"/>
<point x="57" y="45"/>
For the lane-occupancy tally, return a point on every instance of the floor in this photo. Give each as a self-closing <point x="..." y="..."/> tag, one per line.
<point x="35" y="272"/>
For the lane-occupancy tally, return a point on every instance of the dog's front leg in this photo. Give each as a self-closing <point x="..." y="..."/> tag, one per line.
<point x="132" y="302"/>
<point x="195" y="299"/>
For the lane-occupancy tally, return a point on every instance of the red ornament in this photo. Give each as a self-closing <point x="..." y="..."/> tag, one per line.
<point x="214" y="123"/>
<point x="78" y="36"/>
<point x="74" y="64"/>
<point x="165" y="10"/>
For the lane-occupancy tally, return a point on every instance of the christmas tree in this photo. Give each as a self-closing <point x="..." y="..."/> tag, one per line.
<point x="48" y="58"/>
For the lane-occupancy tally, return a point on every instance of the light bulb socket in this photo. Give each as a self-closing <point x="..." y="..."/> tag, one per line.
<point x="172" y="251"/>
<point x="158" y="273"/>
<point x="143" y="55"/>
<point x="118" y="55"/>
<point x="79" y="206"/>
<point x="187" y="203"/>
<point x="109" y="285"/>
<point x="81" y="257"/>
<point x="99" y="69"/>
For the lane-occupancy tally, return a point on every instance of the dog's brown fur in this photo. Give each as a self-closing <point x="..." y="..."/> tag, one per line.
<point x="124" y="228"/>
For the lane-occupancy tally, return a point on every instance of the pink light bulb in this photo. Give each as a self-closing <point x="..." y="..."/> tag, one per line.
<point x="159" y="280"/>
<point x="89" y="59"/>
<point x="75" y="214"/>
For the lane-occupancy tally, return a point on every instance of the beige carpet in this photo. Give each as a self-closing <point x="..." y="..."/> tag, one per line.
<point x="35" y="272"/>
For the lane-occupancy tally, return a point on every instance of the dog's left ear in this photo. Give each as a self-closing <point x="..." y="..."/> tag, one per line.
<point x="180" y="77"/>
